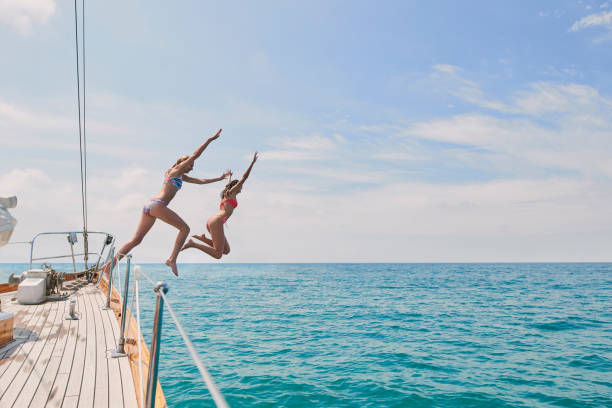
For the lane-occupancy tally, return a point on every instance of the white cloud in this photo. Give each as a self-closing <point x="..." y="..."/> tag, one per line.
<point x="292" y="155"/>
<point x="524" y="216"/>
<point x="314" y="147"/>
<point x="339" y="138"/>
<point x="447" y="68"/>
<point x="400" y="156"/>
<point x="545" y="97"/>
<point x="341" y="174"/>
<point x="539" y="98"/>
<point x="22" y="128"/>
<point x="24" y="14"/>
<point x="471" y="93"/>
<point x="476" y="130"/>
<point x="602" y="19"/>
<point x="500" y="220"/>
<point x="553" y="127"/>
<point x="463" y="88"/>
<point x="314" y="142"/>
<point x="379" y="128"/>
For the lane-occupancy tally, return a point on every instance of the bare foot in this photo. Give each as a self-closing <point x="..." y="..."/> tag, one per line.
<point x="188" y="244"/>
<point x="201" y="237"/>
<point x="172" y="265"/>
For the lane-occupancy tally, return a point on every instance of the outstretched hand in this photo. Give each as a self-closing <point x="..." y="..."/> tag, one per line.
<point x="216" y="136"/>
<point x="227" y="174"/>
<point x="255" y="156"/>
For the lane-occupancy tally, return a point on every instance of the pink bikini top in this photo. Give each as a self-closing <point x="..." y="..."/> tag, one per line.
<point x="234" y="203"/>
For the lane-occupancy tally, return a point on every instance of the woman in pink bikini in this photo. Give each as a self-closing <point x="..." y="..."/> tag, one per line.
<point x="217" y="245"/>
<point x="158" y="207"/>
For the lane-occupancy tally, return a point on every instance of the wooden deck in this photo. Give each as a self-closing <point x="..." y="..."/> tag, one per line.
<point x="54" y="362"/>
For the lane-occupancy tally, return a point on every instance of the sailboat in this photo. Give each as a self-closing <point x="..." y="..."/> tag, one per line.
<point x="67" y="336"/>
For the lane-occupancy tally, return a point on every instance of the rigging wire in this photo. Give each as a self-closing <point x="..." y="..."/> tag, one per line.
<point x="84" y="138"/>
<point x="215" y="393"/>
<point x="82" y="146"/>
<point x="208" y="380"/>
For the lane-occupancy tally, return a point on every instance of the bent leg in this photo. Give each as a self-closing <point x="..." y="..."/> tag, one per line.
<point x="218" y="241"/>
<point x="145" y="224"/>
<point x="170" y="217"/>
<point x="209" y="242"/>
<point x="226" y="247"/>
<point x="202" y="237"/>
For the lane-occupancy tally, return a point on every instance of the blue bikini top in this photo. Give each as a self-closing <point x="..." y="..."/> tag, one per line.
<point x="175" y="181"/>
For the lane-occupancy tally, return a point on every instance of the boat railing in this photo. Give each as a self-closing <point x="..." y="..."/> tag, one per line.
<point x="147" y="394"/>
<point x="72" y="239"/>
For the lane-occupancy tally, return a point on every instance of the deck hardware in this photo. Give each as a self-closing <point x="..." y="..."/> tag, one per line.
<point x="72" y="313"/>
<point x="72" y="239"/>
<point x="108" y="241"/>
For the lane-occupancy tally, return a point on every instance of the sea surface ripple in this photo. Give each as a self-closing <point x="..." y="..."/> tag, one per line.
<point x="389" y="335"/>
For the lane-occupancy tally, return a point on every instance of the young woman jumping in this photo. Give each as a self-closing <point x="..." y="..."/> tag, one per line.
<point x="217" y="245"/>
<point x="158" y="207"/>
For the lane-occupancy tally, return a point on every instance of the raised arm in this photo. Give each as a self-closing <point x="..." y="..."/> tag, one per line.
<point x="196" y="180"/>
<point x="234" y="189"/>
<point x="198" y="152"/>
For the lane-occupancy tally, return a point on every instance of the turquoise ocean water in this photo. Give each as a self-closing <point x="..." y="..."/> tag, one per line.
<point x="388" y="335"/>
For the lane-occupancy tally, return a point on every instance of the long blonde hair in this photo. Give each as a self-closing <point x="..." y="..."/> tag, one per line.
<point x="179" y="161"/>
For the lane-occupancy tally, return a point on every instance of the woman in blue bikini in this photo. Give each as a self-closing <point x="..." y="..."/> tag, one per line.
<point x="158" y="206"/>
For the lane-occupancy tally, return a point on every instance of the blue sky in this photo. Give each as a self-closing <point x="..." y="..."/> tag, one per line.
<point x="395" y="131"/>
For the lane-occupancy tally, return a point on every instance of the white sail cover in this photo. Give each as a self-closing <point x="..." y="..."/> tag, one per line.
<point x="7" y="223"/>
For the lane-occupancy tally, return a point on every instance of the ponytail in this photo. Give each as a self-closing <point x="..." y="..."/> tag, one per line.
<point x="228" y="187"/>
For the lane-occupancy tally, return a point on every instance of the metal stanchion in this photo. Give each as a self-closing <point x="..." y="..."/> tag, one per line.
<point x="154" y="352"/>
<point x="110" y="279"/>
<point x="120" y="351"/>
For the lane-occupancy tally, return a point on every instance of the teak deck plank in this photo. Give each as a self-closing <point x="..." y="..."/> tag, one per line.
<point x="21" y="334"/>
<point x="70" y="402"/>
<point x="73" y="365"/>
<point x="47" y="387"/>
<point x="101" y="389"/>
<point x="38" y="371"/>
<point x="22" y="320"/>
<point x="86" y="397"/>
<point x="21" y="355"/>
<point x="26" y="368"/>
<point x="54" y="362"/>
<point x="115" y="385"/>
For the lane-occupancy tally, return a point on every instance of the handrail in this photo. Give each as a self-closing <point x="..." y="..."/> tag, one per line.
<point x="137" y="272"/>
<point x="64" y="256"/>
<point x="160" y="288"/>
<point x="212" y="387"/>
<point x="70" y="234"/>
